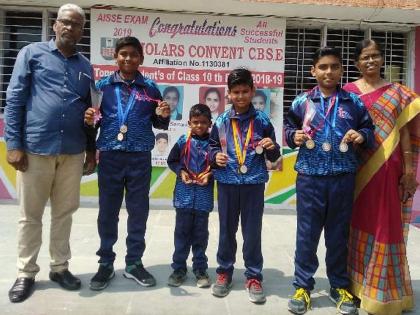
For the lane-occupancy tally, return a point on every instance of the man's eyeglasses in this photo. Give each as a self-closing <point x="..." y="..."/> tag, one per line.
<point x="68" y="23"/>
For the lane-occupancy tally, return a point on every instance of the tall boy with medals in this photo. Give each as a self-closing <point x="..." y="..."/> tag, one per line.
<point x="131" y="105"/>
<point x="326" y="123"/>
<point x="239" y="137"/>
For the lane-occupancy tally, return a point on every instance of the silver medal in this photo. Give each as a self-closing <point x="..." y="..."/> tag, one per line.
<point x="343" y="147"/>
<point x="326" y="146"/>
<point x="120" y="136"/>
<point x="243" y="169"/>
<point x="310" y="144"/>
<point x="123" y="129"/>
<point x="259" y="149"/>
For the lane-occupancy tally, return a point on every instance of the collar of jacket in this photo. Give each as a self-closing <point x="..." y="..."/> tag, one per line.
<point x="251" y="112"/>
<point x="138" y="80"/>
<point x="203" y="137"/>
<point x="315" y="94"/>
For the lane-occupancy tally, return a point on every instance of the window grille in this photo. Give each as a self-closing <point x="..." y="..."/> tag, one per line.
<point x="17" y="29"/>
<point x="84" y="45"/>
<point x="394" y="46"/>
<point x="345" y="40"/>
<point x="301" y="43"/>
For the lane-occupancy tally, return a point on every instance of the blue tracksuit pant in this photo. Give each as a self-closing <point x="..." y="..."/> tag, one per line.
<point x="323" y="202"/>
<point x="119" y="171"/>
<point x="246" y="202"/>
<point x="191" y="231"/>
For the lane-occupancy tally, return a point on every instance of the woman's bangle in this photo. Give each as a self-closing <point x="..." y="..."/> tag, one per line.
<point x="408" y="152"/>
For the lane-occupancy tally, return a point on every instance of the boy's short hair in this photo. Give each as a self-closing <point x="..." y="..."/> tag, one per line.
<point x="129" y="41"/>
<point x="240" y="76"/>
<point x="325" y="51"/>
<point x="162" y="135"/>
<point x="200" y="110"/>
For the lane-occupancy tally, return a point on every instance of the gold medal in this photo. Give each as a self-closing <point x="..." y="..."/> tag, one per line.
<point x="310" y="144"/>
<point x="123" y="129"/>
<point x="343" y="147"/>
<point x="120" y="136"/>
<point x="259" y="149"/>
<point x="243" y="169"/>
<point x="241" y="154"/>
<point x="326" y="146"/>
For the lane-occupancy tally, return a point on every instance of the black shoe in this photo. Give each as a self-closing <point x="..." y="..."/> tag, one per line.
<point x="140" y="275"/>
<point x="203" y="279"/>
<point x="21" y="289"/>
<point x="102" y="278"/>
<point x="177" y="278"/>
<point x="66" y="280"/>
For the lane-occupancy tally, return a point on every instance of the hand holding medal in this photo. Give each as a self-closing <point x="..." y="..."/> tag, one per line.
<point x="203" y="180"/>
<point x="350" y="136"/>
<point x="90" y="116"/>
<point x="264" y="144"/>
<point x="301" y="137"/>
<point x="185" y="177"/>
<point x="221" y="159"/>
<point x="96" y="98"/>
<point x="163" y="109"/>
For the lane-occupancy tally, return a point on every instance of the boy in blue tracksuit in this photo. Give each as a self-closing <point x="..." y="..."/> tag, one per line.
<point x="327" y="123"/>
<point x="130" y="106"/>
<point x="239" y="140"/>
<point x="193" y="197"/>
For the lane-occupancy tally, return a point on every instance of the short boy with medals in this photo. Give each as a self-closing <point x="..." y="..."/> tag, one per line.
<point x="193" y="198"/>
<point x="327" y="123"/>
<point x="131" y="105"/>
<point x="240" y="140"/>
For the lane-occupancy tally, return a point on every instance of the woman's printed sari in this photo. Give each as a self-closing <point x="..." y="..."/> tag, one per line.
<point x="377" y="260"/>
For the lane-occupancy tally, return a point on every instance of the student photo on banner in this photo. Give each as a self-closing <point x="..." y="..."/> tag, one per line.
<point x="162" y="144"/>
<point x="261" y="100"/>
<point x="173" y="95"/>
<point x="214" y="98"/>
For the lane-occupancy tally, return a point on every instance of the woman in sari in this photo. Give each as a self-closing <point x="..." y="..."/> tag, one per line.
<point x="385" y="185"/>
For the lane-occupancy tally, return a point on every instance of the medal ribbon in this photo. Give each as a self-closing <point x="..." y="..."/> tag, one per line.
<point x="187" y="159"/>
<point x="333" y="101"/>
<point x="241" y="154"/>
<point x="311" y="131"/>
<point x="122" y="115"/>
<point x="146" y="97"/>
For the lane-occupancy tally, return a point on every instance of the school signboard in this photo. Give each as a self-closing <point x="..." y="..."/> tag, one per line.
<point x="189" y="57"/>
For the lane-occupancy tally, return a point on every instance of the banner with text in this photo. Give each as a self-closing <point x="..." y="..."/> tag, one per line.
<point x="190" y="56"/>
